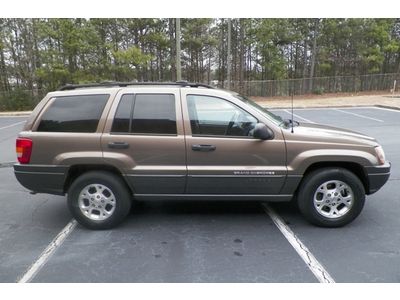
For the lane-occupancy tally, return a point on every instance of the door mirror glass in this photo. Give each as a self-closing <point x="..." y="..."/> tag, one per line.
<point x="262" y="132"/>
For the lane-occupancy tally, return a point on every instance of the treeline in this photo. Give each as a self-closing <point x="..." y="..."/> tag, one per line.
<point x="42" y="54"/>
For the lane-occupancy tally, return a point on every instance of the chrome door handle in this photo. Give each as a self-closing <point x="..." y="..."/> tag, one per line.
<point x="203" y="148"/>
<point x="118" y="145"/>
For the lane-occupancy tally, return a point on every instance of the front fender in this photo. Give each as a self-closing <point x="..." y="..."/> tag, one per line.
<point x="299" y="163"/>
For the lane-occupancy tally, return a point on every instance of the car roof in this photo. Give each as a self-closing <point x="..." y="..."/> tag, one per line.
<point x="114" y="87"/>
<point x="126" y="84"/>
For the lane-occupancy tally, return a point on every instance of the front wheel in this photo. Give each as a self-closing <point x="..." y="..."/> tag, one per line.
<point x="331" y="197"/>
<point x="99" y="200"/>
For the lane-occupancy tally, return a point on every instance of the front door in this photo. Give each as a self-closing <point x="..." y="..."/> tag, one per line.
<point x="222" y="155"/>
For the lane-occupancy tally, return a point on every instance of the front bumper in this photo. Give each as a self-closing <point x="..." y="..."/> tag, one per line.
<point x="42" y="179"/>
<point x="377" y="176"/>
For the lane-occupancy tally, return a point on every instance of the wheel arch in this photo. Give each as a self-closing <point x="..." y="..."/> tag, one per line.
<point x="76" y="170"/>
<point x="352" y="167"/>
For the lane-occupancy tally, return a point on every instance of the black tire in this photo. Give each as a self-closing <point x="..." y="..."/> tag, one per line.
<point x="121" y="199"/>
<point x="309" y="187"/>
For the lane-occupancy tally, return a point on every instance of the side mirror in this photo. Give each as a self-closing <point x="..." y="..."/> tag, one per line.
<point x="262" y="132"/>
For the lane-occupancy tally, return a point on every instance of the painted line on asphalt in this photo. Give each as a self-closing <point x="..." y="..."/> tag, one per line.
<point x="47" y="253"/>
<point x="316" y="108"/>
<point x="327" y="108"/>
<point x="358" y="115"/>
<point x="12" y="125"/>
<point x="8" y="164"/>
<point x="297" y="116"/>
<point x="312" y="263"/>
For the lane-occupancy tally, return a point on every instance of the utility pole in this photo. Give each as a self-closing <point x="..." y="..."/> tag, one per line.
<point x="229" y="60"/>
<point x="178" y="50"/>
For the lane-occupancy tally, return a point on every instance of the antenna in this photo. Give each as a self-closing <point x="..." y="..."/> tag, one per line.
<point x="292" y="121"/>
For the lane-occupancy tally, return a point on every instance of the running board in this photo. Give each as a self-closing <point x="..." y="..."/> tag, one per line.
<point x="210" y="197"/>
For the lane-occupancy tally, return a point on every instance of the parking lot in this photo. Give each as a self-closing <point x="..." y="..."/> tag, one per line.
<point x="203" y="241"/>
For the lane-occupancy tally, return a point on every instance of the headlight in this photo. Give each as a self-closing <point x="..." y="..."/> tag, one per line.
<point x="380" y="155"/>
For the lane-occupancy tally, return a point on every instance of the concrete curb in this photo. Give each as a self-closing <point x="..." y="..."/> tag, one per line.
<point x="15" y="113"/>
<point x="387" y="106"/>
<point x="27" y="113"/>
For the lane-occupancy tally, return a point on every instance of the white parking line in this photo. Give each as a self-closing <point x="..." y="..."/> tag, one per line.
<point x="48" y="252"/>
<point x="385" y="108"/>
<point x="12" y="125"/>
<point x="312" y="263"/>
<point x="329" y="107"/>
<point x="320" y="108"/>
<point x="297" y="116"/>
<point x="357" y="115"/>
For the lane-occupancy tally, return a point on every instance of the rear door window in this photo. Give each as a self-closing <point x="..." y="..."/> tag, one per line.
<point x="73" y="114"/>
<point x="146" y="114"/>
<point x="154" y="114"/>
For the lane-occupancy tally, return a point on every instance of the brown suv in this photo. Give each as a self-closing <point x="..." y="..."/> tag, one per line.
<point x="108" y="144"/>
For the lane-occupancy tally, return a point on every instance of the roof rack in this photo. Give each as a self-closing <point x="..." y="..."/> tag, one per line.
<point x="68" y="87"/>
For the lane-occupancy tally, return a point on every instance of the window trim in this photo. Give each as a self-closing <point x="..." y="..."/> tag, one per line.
<point x="130" y="114"/>
<point x="143" y="134"/>
<point x="130" y="133"/>
<point x="224" y="136"/>
<point x="219" y="136"/>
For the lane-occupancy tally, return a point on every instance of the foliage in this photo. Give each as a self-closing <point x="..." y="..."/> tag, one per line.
<point x="43" y="54"/>
<point x="18" y="99"/>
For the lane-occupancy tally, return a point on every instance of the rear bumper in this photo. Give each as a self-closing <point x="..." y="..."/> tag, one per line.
<point x="377" y="177"/>
<point x="42" y="179"/>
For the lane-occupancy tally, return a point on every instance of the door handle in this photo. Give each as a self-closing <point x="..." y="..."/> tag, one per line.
<point x="203" y="148"/>
<point x="118" y="145"/>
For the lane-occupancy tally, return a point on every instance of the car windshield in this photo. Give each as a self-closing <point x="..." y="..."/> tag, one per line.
<point x="275" y="118"/>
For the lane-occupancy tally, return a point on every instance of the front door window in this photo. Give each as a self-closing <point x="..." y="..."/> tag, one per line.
<point x="212" y="116"/>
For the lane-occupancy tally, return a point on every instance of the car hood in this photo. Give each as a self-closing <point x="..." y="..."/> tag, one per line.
<point x="326" y="133"/>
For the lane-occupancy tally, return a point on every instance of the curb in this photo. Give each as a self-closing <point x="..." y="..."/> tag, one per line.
<point x="15" y="113"/>
<point x="27" y="113"/>
<point x="387" y="106"/>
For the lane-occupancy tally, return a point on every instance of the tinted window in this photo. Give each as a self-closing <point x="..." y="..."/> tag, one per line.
<point x="154" y="113"/>
<point x="123" y="114"/>
<point x="215" y="116"/>
<point x="73" y="114"/>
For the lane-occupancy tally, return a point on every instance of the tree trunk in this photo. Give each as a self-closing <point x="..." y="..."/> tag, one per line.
<point x="209" y="65"/>
<point x="172" y="52"/>
<point x="313" y="54"/>
<point x="305" y="80"/>
<point x="242" y="56"/>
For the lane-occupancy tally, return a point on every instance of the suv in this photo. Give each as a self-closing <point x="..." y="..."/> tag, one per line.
<point x="106" y="145"/>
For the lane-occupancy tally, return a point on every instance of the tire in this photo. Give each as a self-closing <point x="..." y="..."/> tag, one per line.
<point x="331" y="197"/>
<point x="99" y="200"/>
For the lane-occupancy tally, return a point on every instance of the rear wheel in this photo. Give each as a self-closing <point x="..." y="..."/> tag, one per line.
<point x="99" y="200"/>
<point x="331" y="197"/>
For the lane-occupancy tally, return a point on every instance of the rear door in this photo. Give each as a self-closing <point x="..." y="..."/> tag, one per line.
<point x="144" y="138"/>
<point x="222" y="155"/>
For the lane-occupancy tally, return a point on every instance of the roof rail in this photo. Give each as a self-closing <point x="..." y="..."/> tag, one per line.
<point x="68" y="87"/>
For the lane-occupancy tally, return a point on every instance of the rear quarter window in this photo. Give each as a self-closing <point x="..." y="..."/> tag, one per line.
<point x="73" y="114"/>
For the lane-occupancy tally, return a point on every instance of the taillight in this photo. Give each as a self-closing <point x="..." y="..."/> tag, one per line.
<point x="24" y="150"/>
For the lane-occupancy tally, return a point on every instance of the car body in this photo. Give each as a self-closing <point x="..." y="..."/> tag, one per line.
<point x="190" y="141"/>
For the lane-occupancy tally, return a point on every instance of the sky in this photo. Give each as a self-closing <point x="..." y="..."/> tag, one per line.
<point x="201" y="8"/>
